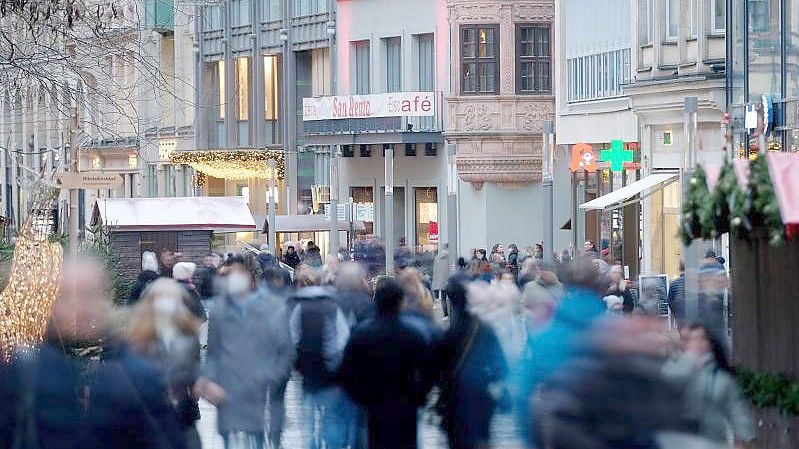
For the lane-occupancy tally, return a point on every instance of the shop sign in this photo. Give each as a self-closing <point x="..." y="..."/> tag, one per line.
<point x="432" y="231"/>
<point x="583" y="158"/>
<point x="617" y="155"/>
<point x="395" y="104"/>
<point x="89" y="180"/>
<point x="365" y="212"/>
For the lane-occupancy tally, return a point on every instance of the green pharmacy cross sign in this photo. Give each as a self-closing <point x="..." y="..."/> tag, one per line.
<point x="617" y="156"/>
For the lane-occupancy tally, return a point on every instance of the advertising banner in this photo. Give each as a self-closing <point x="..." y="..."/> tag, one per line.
<point x="395" y="104"/>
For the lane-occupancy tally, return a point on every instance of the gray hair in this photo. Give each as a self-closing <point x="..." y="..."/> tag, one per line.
<point x="350" y="276"/>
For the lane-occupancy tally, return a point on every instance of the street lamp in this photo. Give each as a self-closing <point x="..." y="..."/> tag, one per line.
<point x="334" y="200"/>
<point x="389" y="210"/>
<point x="272" y="224"/>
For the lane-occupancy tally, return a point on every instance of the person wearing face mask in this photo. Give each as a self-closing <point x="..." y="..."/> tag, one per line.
<point x="163" y="329"/>
<point x="250" y="355"/>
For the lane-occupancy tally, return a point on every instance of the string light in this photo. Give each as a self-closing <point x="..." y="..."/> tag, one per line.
<point x="232" y="164"/>
<point x="27" y="300"/>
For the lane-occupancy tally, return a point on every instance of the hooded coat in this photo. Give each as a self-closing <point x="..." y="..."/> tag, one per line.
<point x="440" y="271"/>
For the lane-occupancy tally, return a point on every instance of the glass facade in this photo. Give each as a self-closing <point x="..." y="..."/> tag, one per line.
<point x="762" y="59"/>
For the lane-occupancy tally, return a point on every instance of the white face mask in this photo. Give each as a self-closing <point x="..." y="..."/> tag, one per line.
<point x="165" y="306"/>
<point x="238" y="283"/>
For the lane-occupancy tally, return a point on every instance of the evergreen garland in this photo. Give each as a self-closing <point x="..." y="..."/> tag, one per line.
<point x="765" y="206"/>
<point x="697" y="194"/>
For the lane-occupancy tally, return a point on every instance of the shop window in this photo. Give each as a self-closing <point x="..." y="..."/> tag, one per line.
<point x="533" y="59"/>
<point x="410" y="149"/>
<point x="363" y="197"/>
<point x="366" y="151"/>
<point x="427" y="225"/>
<point x="479" y="59"/>
<point x="393" y="64"/>
<point x="270" y="87"/>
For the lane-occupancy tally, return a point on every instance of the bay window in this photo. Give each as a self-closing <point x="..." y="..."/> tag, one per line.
<point x="479" y="59"/>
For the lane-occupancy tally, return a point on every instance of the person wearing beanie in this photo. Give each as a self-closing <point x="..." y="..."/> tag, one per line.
<point x="183" y="273"/>
<point x="149" y="273"/>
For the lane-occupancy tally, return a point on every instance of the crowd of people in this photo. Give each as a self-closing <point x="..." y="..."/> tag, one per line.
<point x="565" y="347"/>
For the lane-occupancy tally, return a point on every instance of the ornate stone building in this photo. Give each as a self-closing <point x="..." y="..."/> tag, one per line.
<point x="502" y="93"/>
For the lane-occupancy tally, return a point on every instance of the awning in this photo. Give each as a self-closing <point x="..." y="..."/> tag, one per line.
<point x="306" y="223"/>
<point x="620" y="197"/>
<point x="201" y="213"/>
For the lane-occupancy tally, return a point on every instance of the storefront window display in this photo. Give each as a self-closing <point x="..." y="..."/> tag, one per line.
<point x="427" y="224"/>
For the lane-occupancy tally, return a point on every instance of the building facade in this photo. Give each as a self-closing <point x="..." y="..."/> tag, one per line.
<point x="501" y="94"/>
<point x="593" y="63"/>
<point x="389" y="50"/>
<point x="678" y="51"/>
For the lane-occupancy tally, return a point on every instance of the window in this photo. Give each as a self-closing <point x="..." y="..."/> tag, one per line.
<point x="213" y="18"/>
<point x="533" y="56"/>
<point x="393" y="64"/>
<point x="220" y="78"/>
<point x="645" y="21"/>
<point x="759" y="15"/>
<point x="718" y="16"/>
<point x="309" y="7"/>
<point x="479" y="59"/>
<point x="365" y="151"/>
<point x="271" y="10"/>
<point x="243" y="87"/>
<point x="426" y="199"/>
<point x="694" y="13"/>
<point x="426" y="62"/>
<point x="598" y="76"/>
<point x="240" y="12"/>
<point x="270" y="87"/>
<point x="410" y="149"/>
<point x="362" y="82"/>
<point x="152" y="180"/>
<point x="672" y="19"/>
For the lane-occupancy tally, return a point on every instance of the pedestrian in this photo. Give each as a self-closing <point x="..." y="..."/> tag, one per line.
<point x="291" y="258"/>
<point x="167" y="259"/>
<point x="387" y="369"/>
<point x="352" y="293"/>
<point x="472" y="371"/>
<point x="498" y="305"/>
<point x="207" y="277"/>
<point x="513" y="260"/>
<point x="320" y="331"/>
<point x="480" y="254"/>
<point x="440" y="276"/>
<point x="618" y="287"/>
<point x="417" y="307"/>
<point x="676" y="296"/>
<point x="486" y="273"/>
<point x="715" y="407"/>
<point x="528" y="272"/>
<point x="313" y="255"/>
<point x="183" y="273"/>
<point x="589" y="250"/>
<point x="149" y="273"/>
<point x="497" y="257"/>
<point x="249" y="358"/>
<point x="163" y="330"/>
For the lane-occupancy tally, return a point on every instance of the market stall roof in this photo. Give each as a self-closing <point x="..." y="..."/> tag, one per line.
<point x="305" y="223"/>
<point x="619" y="198"/>
<point x="784" y="171"/>
<point x="201" y="213"/>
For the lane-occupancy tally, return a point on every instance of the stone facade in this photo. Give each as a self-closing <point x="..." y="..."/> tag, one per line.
<point x="498" y="136"/>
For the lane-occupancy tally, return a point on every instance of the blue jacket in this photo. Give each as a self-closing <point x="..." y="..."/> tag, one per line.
<point x="555" y="346"/>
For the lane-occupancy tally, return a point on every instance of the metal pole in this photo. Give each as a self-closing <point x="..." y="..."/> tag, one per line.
<point x="548" y="191"/>
<point x="73" y="193"/>
<point x="452" y="205"/>
<point x="334" y="200"/>
<point x="689" y="250"/>
<point x="389" y="210"/>
<point x="351" y="234"/>
<point x="272" y="191"/>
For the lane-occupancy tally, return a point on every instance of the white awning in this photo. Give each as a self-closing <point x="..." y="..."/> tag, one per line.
<point x="618" y="198"/>
<point x="306" y="223"/>
<point x="201" y="213"/>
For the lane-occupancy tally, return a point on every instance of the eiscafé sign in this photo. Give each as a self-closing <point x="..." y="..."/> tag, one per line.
<point x="396" y="104"/>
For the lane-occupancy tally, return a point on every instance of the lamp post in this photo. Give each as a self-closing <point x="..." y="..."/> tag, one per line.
<point x="272" y="192"/>
<point x="691" y="292"/>
<point x="389" y="210"/>
<point x="452" y="205"/>
<point x="334" y="200"/>
<point x="548" y="191"/>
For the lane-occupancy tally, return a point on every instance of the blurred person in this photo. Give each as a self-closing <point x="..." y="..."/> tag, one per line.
<point x="149" y="273"/>
<point x="713" y="285"/>
<point x="589" y="250"/>
<point x="498" y="305"/>
<point x="440" y="276"/>
<point x="480" y="254"/>
<point x="249" y="357"/>
<point x="167" y="259"/>
<point x="486" y="272"/>
<point x="513" y="260"/>
<point x="207" y="277"/>
<point x="650" y="298"/>
<point x="352" y="293"/>
<point x="497" y="257"/>
<point x="472" y="370"/>
<point x="44" y="405"/>
<point x="313" y="255"/>
<point x="291" y="258"/>
<point x="473" y="268"/>
<point x="539" y="251"/>
<point x="714" y="406"/>
<point x="539" y="300"/>
<point x="183" y="273"/>
<point x="320" y="331"/>
<point x="565" y="256"/>
<point x="330" y="269"/>
<point x="417" y="307"/>
<point x="387" y="369"/>
<point x="307" y="276"/>
<point x="553" y="347"/>
<point x="618" y="287"/>
<point x="163" y="329"/>
<point x="676" y="297"/>
<point x="504" y="276"/>
<point x="528" y="271"/>
<point x="613" y="393"/>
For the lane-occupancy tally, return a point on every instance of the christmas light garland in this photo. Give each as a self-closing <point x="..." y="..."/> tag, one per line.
<point x="233" y="164"/>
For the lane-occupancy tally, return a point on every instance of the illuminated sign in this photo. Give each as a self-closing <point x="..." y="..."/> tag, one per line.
<point x="583" y="158"/>
<point x="395" y="104"/>
<point x="616" y="155"/>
